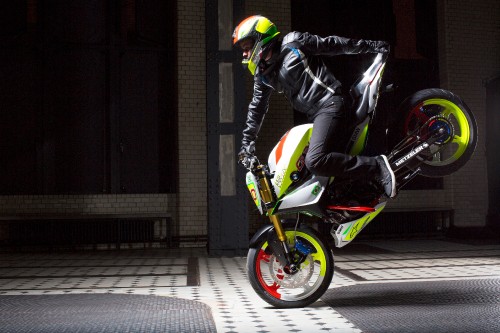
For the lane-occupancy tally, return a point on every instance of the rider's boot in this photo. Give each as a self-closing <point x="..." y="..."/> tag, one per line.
<point x="385" y="176"/>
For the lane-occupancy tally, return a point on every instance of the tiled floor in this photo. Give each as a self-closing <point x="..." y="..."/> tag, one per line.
<point x="222" y="283"/>
<point x="419" y="260"/>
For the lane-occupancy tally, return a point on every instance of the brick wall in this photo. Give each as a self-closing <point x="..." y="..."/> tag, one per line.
<point x="192" y="196"/>
<point x="87" y="204"/>
<point x="13" y="205"/>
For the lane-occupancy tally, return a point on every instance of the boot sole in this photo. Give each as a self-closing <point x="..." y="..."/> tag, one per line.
<point x="393" y="177"/>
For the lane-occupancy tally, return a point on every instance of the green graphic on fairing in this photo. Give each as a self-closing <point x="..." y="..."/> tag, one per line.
<point x="360" y="141"/>
<point x="348" y="231"/>
<point x="254" y="190"/>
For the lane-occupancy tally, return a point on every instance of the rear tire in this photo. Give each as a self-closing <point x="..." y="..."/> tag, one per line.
<point x="453" y="154"/>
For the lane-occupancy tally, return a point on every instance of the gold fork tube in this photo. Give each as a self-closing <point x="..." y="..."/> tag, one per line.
<point x="267" y="197"/>
<point x="278" y="227"/>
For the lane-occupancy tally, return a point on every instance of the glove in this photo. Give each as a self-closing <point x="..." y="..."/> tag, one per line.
<point x="383" y="47"/>
<point x="246" y="155"/>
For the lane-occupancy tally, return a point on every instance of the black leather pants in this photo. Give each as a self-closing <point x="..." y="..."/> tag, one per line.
<point x="326" y="155"/>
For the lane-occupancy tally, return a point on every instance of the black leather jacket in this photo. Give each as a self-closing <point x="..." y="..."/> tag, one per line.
<point x="297" y="69"/>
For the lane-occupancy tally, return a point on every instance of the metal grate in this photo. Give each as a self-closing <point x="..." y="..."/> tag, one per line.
<point x="103" y="313"/>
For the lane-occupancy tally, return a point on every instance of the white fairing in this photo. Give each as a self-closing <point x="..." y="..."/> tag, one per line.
<point x="307" y="194"/>
<point x="346" y="232"/>
<point x="285" y="158"/>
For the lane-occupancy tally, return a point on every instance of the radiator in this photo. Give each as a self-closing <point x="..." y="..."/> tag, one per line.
<point x="107" y="232"/>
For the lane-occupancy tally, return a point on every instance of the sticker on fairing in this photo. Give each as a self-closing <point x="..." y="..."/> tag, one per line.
<point x="254" y="191"/>
<point x="316" y="190"/>
<point x="349" y="230"/>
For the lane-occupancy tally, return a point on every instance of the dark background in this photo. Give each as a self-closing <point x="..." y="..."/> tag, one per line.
<point x="89" y="100"/>
<point x="88" y="96"/>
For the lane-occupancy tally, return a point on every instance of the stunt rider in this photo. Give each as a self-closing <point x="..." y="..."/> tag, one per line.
<point x="295" y="66"/>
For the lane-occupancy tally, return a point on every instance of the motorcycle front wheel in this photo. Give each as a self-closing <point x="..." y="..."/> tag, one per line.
<point x="433" y="108"/>
<point x="270" y="281"/>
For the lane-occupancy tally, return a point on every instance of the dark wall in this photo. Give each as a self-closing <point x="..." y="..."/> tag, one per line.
<point x="88" y="102"/>
<point x="377" y="20"/>
<point x="492" y="149"/>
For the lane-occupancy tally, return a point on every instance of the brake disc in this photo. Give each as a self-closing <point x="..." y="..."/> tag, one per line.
<point x="296" y="280"/>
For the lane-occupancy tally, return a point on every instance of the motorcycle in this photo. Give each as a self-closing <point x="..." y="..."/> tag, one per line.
<point x="290" y="264"/>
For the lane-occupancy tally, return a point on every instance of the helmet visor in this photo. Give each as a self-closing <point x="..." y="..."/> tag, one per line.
<point x="252" y="62"/>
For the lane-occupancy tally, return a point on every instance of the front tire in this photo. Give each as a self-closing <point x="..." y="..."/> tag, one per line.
<point x="283" y="290"/>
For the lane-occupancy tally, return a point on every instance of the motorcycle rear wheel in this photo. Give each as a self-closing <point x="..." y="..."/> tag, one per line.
<point x="283" y="290"/>
<point x="443" y="158"/>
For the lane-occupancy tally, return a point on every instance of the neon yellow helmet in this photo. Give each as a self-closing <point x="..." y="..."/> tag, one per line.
<point x="261" y="30"/>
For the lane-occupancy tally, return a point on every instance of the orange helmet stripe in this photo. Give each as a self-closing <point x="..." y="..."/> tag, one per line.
<point x="236" y="34"/>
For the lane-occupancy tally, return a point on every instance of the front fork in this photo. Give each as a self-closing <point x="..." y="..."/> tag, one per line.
<point x="281" y="249"/>
<point x="268" y="201"/>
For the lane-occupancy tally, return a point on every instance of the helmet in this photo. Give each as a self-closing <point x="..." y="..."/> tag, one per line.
<point x="261" y="30"/>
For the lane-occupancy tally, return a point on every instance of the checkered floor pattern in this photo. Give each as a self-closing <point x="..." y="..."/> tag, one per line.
<point x="222" y="284"/>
